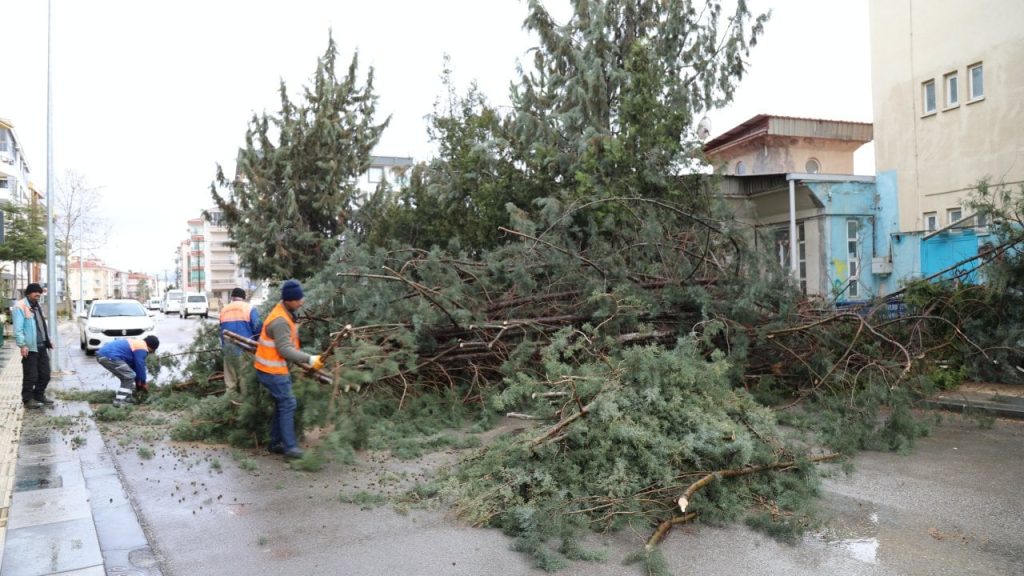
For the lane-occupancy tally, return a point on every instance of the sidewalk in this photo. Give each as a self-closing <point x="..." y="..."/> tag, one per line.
<point x="64" y="509"/>
<point x="1001" y="400"/>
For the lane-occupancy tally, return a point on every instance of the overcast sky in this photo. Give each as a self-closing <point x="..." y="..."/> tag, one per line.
<point x="149" y="96"/>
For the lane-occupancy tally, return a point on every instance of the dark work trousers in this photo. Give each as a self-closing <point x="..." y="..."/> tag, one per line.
<point x="35" y="375"/>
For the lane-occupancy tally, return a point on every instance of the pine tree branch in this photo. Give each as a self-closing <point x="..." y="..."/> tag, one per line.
<point x="684" y="500"/>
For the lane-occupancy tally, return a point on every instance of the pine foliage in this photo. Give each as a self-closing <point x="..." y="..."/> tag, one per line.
<point x="294" y="188"/>
<point x="561" y="263"/>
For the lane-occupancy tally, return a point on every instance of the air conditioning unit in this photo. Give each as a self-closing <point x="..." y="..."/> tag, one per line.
<point x="881" y="266"/>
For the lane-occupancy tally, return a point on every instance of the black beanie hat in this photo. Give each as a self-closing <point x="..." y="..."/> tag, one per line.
<point x="152" y="341"/>
<point x="291" y="290"/>
<point x="237" y="293"/>
<point x="33" y="288"/>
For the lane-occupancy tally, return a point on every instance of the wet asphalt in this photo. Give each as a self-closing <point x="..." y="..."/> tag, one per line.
<point x="953" y="506"/>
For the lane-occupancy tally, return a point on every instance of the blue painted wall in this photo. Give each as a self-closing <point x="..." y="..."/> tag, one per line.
<point x="915" y="258"/>
<point x="876" y="214"/>
<point x="947" y="249"/>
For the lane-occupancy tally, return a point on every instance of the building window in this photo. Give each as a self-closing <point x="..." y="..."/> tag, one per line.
<point x="812" y="166"/>
<point x="741" y="168"/>
<point x="375" y="174"/>
<point x="954" y="215"/>
<point x="4" y="183"/>
<point x="852" y="257"/>
<point x="976" y="79"/>
<point x="951" y="81"/>
<point x="928" y="96"/>
<point x="931" y="221"/>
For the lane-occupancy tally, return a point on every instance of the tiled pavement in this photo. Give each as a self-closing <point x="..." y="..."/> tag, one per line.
<point x="10" y="430"/>
<point x="64" y="508"/>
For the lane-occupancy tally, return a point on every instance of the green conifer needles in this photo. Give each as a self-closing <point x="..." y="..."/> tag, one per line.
<point x="294" y="188"/>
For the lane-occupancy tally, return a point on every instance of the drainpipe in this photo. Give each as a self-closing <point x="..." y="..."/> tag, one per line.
<point x="794" y="264"/>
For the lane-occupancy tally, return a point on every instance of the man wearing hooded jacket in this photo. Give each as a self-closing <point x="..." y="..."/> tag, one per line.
<point x="33" y="339"/>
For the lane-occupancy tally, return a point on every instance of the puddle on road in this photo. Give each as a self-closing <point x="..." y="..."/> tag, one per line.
<point x="864" y="549"/>
<point x="853" y="530"/>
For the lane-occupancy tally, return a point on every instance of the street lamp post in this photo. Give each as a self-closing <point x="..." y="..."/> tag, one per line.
<point x="51" y="261"/>
<point x="81" y="282"/>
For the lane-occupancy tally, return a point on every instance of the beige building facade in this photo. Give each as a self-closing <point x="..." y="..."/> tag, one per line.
<point x="948" y="96"/>
<point x="209" y="264"/>
<point x="92" y="280"/>
<point x="767" y="144"/>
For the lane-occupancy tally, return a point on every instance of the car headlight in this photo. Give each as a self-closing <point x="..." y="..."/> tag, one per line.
<point x="149" y="328"/>
<point x="94" y="329"/>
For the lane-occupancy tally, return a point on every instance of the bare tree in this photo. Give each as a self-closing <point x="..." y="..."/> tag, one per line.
<point x="78" y="224"/>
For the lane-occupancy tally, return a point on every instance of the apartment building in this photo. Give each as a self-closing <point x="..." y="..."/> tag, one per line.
<point x="948" y="87"/>
<point x="393" y="170"/>
<point x="91" y="279"/>
<point x="16" y="188"/>
<point x="209" y="264"/>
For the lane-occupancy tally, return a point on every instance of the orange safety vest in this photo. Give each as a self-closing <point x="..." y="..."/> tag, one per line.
<point x="236" y="311"/>
<point x="268" y="360"/>
<point x="136" y="344"/>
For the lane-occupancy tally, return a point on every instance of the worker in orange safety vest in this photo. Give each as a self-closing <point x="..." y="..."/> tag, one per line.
<point x="243" y="319"/>
<point x="278" y="345"/>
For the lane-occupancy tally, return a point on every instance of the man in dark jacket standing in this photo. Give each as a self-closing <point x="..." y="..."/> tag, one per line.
<point x="33" y="338"/>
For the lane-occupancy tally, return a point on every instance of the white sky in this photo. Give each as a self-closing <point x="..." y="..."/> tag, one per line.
<point x="149" y="96"/>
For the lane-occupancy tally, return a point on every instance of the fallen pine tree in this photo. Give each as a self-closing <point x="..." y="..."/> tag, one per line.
<point x="566" y="263"/>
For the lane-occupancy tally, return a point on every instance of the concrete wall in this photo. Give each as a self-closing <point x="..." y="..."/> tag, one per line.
<point x="939" y="157"/>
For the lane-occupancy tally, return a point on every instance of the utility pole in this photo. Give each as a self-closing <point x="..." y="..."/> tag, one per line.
<point x="51" y="260"/>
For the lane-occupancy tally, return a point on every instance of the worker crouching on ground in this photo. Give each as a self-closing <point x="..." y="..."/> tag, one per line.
<point x="278" y="344"/>
<point x="126" y="359"/>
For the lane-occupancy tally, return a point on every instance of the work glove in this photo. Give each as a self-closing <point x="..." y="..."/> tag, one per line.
<point x="316" y="362"/>
<point x="141" y="392"/>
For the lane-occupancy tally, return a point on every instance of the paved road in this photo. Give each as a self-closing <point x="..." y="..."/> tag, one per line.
<point x="174" y="333"/>
<point x="952" y="507"/>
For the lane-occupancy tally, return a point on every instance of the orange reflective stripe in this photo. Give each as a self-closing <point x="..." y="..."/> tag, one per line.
<point x="268" y="359"/>
<point x="135" y="344"/>
<point x="25" y="308"/>
<point x="235" y="312"/>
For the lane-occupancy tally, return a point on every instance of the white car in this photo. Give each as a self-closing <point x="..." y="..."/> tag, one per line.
<point x="153" y="303"/>
<point x="196" y="304"/>
<point x="109" y="320"/>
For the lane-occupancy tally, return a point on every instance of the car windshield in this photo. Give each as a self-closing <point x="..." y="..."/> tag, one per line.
<point x="118" y="309"/>
<point x="197" y="298"/>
